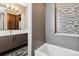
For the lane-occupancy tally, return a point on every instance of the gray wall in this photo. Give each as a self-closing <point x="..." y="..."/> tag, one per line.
<point x="38" y="25"/>
<point x="63" y="41"/>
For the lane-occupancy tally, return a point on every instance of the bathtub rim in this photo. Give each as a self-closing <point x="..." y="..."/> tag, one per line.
<point x="39" y="48"/>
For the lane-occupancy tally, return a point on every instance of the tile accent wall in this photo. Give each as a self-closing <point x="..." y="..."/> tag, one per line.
<point x="67" y="18"/>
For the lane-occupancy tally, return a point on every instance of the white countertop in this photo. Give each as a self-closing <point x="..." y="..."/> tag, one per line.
<point x="13" y="32"/>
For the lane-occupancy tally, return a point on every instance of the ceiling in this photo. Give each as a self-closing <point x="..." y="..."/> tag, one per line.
<point x="23" y="4"/>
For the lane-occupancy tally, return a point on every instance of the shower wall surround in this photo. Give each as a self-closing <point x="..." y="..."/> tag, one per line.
<point x="70" y="42"/>
<point x="67" y="18"/>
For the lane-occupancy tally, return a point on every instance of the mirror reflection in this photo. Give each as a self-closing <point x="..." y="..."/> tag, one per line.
<point x="12" y="17"/>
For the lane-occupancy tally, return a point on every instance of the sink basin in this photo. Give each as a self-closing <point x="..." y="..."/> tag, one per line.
<point x="3" y="33"/>
<point x="18" y="31"/>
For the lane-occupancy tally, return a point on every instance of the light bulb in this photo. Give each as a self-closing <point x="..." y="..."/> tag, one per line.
<point x="7" y="6"/>
<point x="12" y="7"/>
<point x="16" y="9"/>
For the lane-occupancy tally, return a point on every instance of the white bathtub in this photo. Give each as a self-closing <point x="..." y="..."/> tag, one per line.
<point x="53" y="50"/>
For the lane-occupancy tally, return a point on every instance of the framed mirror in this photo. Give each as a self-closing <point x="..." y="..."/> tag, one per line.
<point x="12" y="17"/>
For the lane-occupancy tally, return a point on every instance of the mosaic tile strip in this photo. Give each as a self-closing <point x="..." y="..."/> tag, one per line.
<point x="67" y="18"/>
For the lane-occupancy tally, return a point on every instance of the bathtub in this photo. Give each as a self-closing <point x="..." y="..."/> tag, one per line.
<point x="53" y="50"/>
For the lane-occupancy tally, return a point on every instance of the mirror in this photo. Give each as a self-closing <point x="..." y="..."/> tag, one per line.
<point x="12" y="18"/>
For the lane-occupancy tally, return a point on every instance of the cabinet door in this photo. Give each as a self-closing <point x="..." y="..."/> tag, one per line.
<point x="1" y="44"/>
<point x="21" y="39"/>
<point x="7" y="43"/>
<point x="17" y="21"/>
<point x="11" y="21"/>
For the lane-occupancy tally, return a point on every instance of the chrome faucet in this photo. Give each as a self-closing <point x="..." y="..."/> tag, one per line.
<point x="10" y="31"/>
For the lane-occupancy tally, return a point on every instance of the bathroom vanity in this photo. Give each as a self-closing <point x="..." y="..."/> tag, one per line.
<point x="13" y="26"/>
<point x="8" y="42"/>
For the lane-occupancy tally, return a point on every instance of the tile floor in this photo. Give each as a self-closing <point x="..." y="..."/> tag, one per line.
<point x="20" y="51"/>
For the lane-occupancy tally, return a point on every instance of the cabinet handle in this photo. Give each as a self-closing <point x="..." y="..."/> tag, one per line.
<point x="13" y="39"/>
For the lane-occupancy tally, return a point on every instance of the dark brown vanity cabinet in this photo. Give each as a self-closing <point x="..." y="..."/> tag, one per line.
<point x="20" y="39"/>
<point x="12" y="41"/>
<point x="6" y="43"/>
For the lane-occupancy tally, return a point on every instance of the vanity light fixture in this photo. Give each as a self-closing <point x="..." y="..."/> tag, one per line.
<point x="16" y="9"/>
<point x="3" y="4"/>
<point x="7" y="6"/>
<point x="12" y="7"/>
